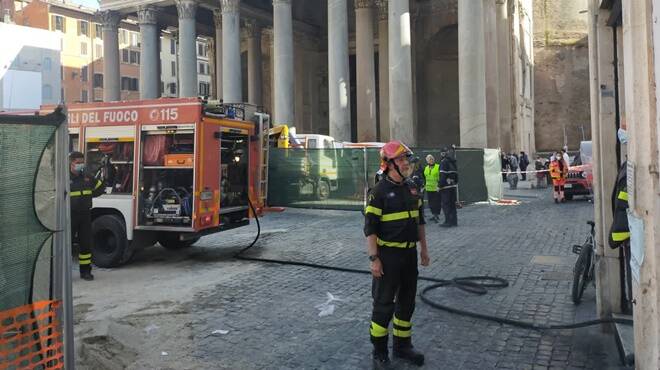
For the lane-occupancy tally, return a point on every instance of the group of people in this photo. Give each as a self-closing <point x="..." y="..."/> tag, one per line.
<point x="511" y="162"/>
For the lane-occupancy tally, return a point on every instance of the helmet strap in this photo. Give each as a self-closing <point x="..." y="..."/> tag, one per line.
<point x="396" y="167"/>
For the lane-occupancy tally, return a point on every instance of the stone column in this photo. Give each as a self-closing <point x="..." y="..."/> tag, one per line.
<point x="217" y="19"/>
<point x="149" y="58"/>
<point x="605" y="165"/>
<point x="254" y="62"/>
<point x="110" y="21"/>
<point x="187" y="48"/>
<point x="232" y="91"/>
<point x="338" y="71"/>
<point x="283" y="62"/>
<point x="400" y="67"/>
<point x="492" y="75"/>
<point x="504" y="73"/>
<point x="472" y="75"/>
<point x="383" y="73"/>
<point x="366" y="79"/>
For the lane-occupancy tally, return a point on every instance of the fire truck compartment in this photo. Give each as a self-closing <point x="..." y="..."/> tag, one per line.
<point x="166" y="189"/>
<point x="234" y="176"/>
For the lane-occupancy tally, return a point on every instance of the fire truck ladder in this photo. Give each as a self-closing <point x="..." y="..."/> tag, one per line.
<point x="264" y="128"/>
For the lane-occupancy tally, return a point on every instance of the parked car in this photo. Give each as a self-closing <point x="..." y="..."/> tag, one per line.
<point x="580" y="174"/>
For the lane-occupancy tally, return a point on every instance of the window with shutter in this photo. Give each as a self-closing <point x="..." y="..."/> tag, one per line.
<point x="98" y="80"/>
<point x="99" y="31"/>
<point x="83" y="28"/>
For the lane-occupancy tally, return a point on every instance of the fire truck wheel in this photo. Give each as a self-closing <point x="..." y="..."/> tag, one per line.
<point x="568" y="196"/>
<point x="171" y="241"/>
<point x="322" y="190"/>
<point x="110" y="244"/>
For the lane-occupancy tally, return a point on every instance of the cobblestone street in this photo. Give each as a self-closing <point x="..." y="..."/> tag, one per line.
<point x="270" y="311"/>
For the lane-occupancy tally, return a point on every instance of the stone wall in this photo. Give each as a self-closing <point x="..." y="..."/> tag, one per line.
<point x="561" y="74"/>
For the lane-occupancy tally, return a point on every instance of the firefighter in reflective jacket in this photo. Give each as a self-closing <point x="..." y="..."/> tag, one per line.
<point x="619" y="232"/>
<point x="394" y="224"/>
<point x="83" y="188"/>
<point x="448" y="188"/>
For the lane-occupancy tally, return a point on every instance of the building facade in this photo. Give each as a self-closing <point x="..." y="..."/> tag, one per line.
<point x="561" y="74"/>
<point x="29" y="67"/>
<point x="82" y="58"/>
<point x="355" y="69"/>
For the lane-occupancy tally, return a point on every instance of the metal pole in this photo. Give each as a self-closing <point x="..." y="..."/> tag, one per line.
<point x="62" y="244"/>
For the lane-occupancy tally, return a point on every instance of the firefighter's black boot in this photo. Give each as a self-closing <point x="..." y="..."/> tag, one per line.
<point x="381" y="359"/>
<point x="404" y="350"/>
<point x="86" y="272"/>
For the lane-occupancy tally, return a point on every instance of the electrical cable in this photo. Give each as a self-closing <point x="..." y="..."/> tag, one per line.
<point x="477" y="285"/>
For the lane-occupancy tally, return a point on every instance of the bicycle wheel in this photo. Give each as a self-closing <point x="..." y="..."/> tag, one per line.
<point x="581" y="272"/>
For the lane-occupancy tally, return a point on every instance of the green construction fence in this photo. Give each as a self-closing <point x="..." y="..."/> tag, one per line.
<point x="339" y="178"/>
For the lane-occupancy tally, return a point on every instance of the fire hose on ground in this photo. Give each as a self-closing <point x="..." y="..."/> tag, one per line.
<point x="477" y="285"/>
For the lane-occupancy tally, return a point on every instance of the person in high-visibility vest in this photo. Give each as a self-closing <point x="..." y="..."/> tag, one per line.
<point x="431" y="179"/>
<point x="82" y="189"/>
<point x="394" y="226"/>
<point x="558" y="172"/>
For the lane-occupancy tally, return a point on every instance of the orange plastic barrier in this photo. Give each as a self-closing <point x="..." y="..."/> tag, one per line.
<point x="31" y="337"/>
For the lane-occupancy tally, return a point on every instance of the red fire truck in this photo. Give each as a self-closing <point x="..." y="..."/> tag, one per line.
<point x="174" y="170"/>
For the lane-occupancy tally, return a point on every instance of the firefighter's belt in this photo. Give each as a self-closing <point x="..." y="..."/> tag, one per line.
<point x="404" y="245"/>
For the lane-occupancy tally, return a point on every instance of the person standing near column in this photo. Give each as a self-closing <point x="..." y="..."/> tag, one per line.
<point x="448" y="187"/>
<point x="431" y="179"/>
<point x="394" y="224"/>
<point x="524" y="162"/>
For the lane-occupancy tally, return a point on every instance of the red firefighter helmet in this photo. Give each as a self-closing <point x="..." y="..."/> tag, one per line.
<point x="393" y="150"/>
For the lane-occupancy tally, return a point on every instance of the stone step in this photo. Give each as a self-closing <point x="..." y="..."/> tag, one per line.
<point x="625" y="340"/>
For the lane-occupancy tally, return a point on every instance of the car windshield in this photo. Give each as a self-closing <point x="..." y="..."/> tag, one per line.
<point x="585" y="153"/>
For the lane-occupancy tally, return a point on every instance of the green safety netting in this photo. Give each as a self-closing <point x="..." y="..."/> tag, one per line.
<point x="27" y="202"/>
<point x="338" y="178"/>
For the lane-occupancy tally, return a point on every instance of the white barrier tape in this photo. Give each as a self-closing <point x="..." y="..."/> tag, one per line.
<point x="536" y="171"/>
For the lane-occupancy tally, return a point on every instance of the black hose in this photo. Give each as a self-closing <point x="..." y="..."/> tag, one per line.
<point x="256" y="218"/>
<point x="472" y="284"/>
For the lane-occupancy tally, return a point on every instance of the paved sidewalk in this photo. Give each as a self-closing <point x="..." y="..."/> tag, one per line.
<point x="271" y="316"/>
<point x="275" y="325"/>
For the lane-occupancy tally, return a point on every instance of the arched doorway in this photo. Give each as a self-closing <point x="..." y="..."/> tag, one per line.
<point x="439" y="123"/>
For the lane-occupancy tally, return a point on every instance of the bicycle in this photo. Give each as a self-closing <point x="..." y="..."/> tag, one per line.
<point x="583" y="272"/>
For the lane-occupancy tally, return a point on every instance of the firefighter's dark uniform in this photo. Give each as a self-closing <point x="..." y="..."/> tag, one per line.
<point x="448" y="187"/>
<point x="620" y="234"/>
<point x="393" y="213"/>
<point x="83" y="189"/>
